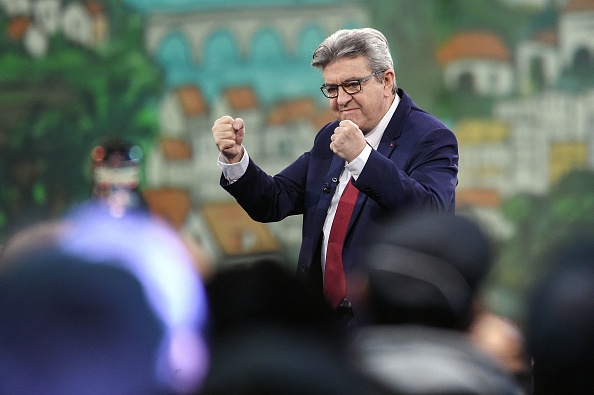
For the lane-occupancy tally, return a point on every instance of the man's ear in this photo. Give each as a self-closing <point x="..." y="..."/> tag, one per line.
<point x="389" y="78"/>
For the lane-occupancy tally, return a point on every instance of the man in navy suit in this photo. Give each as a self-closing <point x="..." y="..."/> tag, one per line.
<point x="400" y="158"/>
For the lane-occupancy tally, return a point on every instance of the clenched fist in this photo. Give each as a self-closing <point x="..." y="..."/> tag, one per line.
<point x="347" y="141"/>
<point x="228" y="134"/>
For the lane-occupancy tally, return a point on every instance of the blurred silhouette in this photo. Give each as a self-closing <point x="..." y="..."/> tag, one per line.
<point x="116" y="167"/>
<point x="423" y="269"/>
<point x="100" y="305"/>
<point x="271" y="335"/>
<point x="504" y="339"/>
<point x="116" y="176"/>
<point x="416" y="288"/>
<point x="262" y="292"/>
<point x="560" y="323"/>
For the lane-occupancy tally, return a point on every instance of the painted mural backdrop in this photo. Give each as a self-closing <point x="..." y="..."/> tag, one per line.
<point x="514" y="79"/>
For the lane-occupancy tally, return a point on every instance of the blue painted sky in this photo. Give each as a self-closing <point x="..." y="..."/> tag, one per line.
<point x="186" y="5"/>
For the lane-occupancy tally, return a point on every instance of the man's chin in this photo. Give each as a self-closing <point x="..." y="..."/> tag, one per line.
<point x="348" y="117"/>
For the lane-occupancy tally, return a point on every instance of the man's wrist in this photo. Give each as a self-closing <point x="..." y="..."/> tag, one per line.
<point x="357" y="165"/>
<point x="231" y="159"/>
<point x="233" y="171"/>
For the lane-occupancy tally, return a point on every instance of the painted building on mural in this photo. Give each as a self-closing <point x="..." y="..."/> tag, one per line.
<point x="477" y="62"/>
<point x="248" y="62"/>
<point x="35" y="22"/>
<point x="252" y="60"/>
<point x="537" y="131"/>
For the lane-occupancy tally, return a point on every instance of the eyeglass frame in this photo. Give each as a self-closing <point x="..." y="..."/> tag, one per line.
<point x="359" y="81"/>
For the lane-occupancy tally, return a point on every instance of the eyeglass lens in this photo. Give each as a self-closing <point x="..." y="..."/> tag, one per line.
<point x="349" y="87"/>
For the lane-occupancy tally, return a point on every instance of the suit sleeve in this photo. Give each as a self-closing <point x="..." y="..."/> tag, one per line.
<point x="422" y="176"/>
<point x="271" y="198"/>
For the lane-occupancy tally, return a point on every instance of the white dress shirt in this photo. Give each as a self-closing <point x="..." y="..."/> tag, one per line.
<point x="353" y="169"/>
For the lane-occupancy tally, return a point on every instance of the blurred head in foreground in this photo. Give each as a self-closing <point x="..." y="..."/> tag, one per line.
<point x="417" y="287"/>
<point x="560" y="323"/>
<point x="422" y="270"/>
<point x="271" y="335"/>
<point x="95" y="304"/>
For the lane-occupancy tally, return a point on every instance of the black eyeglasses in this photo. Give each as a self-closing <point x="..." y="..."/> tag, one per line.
<point x="349" y="86"/>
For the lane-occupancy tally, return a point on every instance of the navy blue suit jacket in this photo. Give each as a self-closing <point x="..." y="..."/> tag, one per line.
<point x="414" y="168"/>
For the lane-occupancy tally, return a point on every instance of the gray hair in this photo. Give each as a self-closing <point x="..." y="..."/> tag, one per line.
<point x="352" y="43"/>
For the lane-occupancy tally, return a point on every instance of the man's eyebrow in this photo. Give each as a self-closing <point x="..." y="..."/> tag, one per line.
<point x="343" y="81"/>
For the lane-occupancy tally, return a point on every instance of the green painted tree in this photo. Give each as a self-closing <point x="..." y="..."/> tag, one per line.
<point x="55" y="108"/>
<point x="417" y="29"/>
<point x="543" y="224"/>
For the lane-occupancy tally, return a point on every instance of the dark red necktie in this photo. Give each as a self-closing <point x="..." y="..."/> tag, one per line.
<point x="335" y="288"/>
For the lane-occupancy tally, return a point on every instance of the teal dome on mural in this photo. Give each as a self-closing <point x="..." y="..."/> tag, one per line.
<point x="276" y="65"/>
<point x="269" y="69"/>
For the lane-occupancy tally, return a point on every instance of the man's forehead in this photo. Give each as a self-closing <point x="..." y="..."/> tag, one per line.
<point x="345" y="69"/>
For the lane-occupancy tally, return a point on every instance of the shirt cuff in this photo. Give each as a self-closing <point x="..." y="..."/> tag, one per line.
<point x="357" y="165"/>
<point x="233" y="171"/>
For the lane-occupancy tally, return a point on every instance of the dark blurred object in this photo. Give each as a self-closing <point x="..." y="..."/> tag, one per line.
<point x="116" y="168"/>
<point x="69" y="326"/>
<point x="417" y="287"/>
<point x="423" y="270"/>
<point x="270" y="335"/>
<point x="279" y="360"/>
<point x="262" y="292"/>
<point x="560" y="323"/>
<point x="100" y="305"/>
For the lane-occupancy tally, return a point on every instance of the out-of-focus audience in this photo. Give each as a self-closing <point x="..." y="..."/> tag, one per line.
<point x="271" y="335"/>
<point x="262" y="292"/>
<point x="93" y="304"/>
<point x="417" y="287"/>
<point x="560" y="323"/>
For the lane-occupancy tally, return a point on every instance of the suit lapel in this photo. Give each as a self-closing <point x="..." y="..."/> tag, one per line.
<point x="387" y="145"/>
<point x="393" y="132"/>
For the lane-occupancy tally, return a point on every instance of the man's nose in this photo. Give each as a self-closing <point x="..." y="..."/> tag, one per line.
<point x="343" y="97"/>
